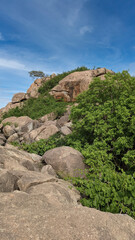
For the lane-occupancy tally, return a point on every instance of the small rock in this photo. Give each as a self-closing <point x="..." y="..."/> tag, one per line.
<point x="65" y="130"/>
<point x="48" y="169"/>
<point x="8" y="131"/>
<point x="7" y="181"/>
<point x="13" y="138"/>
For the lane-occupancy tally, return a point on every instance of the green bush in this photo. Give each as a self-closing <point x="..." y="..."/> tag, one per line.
<point x="36" y="108"/>
<point x="104" y="131"/>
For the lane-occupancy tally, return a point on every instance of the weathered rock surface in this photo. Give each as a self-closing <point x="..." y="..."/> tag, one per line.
<point x="33" y="178"/>
<point x="33" y="89"/>
<point x="48" y="169"/>
<point x="19" y="97"/>
<point x="8" y="131"/>
<point x="48" y="117"/>
<point x="65" y="130"/>
<point x="43" y="132"/>
<point x="7" y="181"/>
<point x="12" y="158"/>
<point x="39" y="205"/>
<point x="66" y="161"/>
<point x="9" y="106"/>
<point x="35" y="216"/>
<point x="18" y="121"/>
<point x="75" y="83"/>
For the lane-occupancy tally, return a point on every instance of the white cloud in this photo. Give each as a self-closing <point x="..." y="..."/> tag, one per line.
<point x="1" y="37"/>
<point x="12" y="64"/>
<point x="85" y="29"/>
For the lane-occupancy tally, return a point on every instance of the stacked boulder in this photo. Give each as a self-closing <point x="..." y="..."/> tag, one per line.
<point x="24" y="129"/>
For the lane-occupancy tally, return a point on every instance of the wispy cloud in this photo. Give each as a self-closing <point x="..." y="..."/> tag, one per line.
<point x="12" y="64"/>
<point x="86" y="29"/>
<point x="1" y="37"/>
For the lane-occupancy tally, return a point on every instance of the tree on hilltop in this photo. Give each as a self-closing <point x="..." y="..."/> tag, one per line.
<point x="36" y="74"/>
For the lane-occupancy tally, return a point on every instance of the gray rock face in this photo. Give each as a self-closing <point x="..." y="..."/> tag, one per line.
<point x="34" y="216"/>
<point x="66" y="161"/>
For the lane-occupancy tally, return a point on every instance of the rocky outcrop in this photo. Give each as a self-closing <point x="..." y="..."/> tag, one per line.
<point x="19" y="97"/>
<point x="33" y="89"/>
<point x="38" y="205"/>
<point x="24" y="129"/>
<point x="75" y="83"/>
<point x="9" y="106"/>
<point x="66" y="161"/>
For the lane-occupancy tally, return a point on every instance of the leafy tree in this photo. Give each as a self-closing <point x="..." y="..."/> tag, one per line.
<point x="104" y="131"/>
<point x="36" y="74"/>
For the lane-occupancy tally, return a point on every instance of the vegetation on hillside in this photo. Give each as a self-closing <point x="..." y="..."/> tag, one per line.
<point x="104" y="132"/>
<point x="44" y="104"/>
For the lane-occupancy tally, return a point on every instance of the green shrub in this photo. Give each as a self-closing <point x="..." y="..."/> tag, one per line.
<point x="104" y="131"/>
<point x="36" y="108"/>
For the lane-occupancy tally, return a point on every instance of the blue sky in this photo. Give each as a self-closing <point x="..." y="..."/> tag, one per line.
<point x="60" y="35"/>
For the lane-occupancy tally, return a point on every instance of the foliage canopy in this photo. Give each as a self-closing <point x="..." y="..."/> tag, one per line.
<point x="104" y="131"/>
<point x="38" y="74"/>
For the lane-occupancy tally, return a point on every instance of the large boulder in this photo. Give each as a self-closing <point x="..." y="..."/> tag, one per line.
<point x="8" y="130"/>
<point x="75" y="83"/>
<point x="14" y="159"/>
<point x="66" y="161"/>
<point x="33" y="89"/>
<point x="44" y="132"/>
<point x="35" y="216"/>
<point x="19" y="97"/>
<point x="17" y="121"/>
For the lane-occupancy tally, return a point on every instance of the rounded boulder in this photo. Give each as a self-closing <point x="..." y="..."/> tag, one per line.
<point x="66" y="161"/>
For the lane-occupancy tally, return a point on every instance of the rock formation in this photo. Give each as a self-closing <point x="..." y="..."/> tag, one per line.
<point x="36" y="204"/>
<point x="75" y="83"/>
<point x="19" y="98"/>
<point x="24" y="129"/>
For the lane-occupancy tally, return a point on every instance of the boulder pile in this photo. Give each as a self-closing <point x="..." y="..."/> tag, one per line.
<point x="36" y="204"/>
<point x="24" y="129"/>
